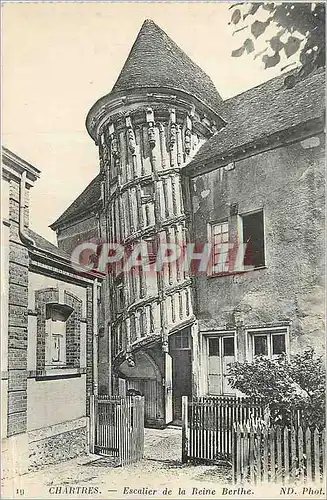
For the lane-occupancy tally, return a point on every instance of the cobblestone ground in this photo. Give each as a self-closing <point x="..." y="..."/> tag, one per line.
<point x="161" y="468"/>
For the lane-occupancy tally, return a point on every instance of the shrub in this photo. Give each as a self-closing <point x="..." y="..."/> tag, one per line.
<point x="286" y="385"/>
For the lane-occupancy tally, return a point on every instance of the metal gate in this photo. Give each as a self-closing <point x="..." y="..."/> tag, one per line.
<point x="118" y="427"/>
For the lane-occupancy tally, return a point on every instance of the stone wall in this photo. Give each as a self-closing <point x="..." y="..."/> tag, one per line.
<point x="32" y="398"/>
<point x="17" y="320"/>
<point x="57" y="443"/>
<point x="4" y="301"/>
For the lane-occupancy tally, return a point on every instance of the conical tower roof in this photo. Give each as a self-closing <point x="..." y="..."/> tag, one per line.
<point x="155" y="60"/>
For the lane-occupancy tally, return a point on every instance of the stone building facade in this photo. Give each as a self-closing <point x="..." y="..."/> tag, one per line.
<point x="48" y="325"/>
<point x="179" y="165"/>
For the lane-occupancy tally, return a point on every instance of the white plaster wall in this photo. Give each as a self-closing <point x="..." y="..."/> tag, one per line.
<point x="4" y="398"/>
<point x="59" y="400"/>
<point x="52" y="402"/>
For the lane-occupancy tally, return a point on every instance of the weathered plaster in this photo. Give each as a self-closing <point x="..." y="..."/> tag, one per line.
<point x="288" y="184"/>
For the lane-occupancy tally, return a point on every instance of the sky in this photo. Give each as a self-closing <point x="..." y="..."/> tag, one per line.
<point x="59" y="58"/>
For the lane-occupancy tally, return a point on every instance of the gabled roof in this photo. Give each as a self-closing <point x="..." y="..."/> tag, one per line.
<point x="261" y="112"/>
<point x="87" y="200"/>
<point x="58" y="257"/>
<point x="46" y="245"/>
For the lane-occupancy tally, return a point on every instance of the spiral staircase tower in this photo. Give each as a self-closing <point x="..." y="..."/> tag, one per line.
<point x="159" y="112"/>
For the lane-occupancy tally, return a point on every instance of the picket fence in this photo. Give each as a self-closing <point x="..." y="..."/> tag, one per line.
<point x="118" y="427"/>
<point x="285" y="455"/>
<point x="208" y="425"/>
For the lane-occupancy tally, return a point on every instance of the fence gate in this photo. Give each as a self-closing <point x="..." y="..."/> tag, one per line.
<point x="208" y="425"/>
<point x="118" y="427"/>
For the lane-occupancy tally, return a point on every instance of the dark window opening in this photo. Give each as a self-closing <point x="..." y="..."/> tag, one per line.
<point x="133" y="329"/>
<point x="180" y="340"/>
<point x="253" y="236"/>
<point x="278" y="344"/>
<point x="120" y="298"/>
<point x="260" y="345"/>
<point x="147" y="190"/>
<point x="58" y="312"/>
<point x="214" y="347"/>
<point x="143" y="322"/>
<point x="228" y="344"/>
<point x="150" y="242"/>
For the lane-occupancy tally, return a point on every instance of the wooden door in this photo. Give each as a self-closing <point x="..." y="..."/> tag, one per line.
<point x="182" y="379"/>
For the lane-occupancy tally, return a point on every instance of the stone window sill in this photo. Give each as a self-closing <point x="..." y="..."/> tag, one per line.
<point x="56" y="373"/>
<point x="236" y="273"/>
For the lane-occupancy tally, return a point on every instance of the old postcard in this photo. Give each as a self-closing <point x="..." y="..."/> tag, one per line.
<point x="162" y="249"/>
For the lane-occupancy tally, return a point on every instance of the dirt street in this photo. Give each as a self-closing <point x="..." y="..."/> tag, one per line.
<point x="97" y="477"/>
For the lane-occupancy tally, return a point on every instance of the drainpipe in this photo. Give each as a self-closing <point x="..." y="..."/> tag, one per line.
<point x="95" y="337"/>
<point x="23" y="236"/>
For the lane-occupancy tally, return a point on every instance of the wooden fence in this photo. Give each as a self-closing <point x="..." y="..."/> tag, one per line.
<point x="118" y="427"/>
<point x="278" y="455"/>
<point x="208" y="425"/>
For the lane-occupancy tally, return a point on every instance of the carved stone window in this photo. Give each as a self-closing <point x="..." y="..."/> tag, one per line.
<point x="55" y="331"/>
<point x="58" y="330"/>
<point x="147" y="193"/>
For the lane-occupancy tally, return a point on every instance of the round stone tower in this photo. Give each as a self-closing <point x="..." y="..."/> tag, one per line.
<point x="159" y="112"/>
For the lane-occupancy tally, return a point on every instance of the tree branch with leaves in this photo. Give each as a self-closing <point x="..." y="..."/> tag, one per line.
<point x="299" y="28"/>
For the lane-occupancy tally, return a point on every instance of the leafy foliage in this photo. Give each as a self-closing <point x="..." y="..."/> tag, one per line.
<point x="287" y="385"/>
<point x="300" y="28"/>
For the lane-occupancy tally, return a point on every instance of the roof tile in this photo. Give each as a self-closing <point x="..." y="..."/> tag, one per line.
<point x="83" y="203"/>
<point x="155" y="60"/>
<point x="263" y="111"/>
<point x="46" y="245"/>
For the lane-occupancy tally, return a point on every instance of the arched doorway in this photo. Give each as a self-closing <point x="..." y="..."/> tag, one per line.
<point x="146" y="378"/>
